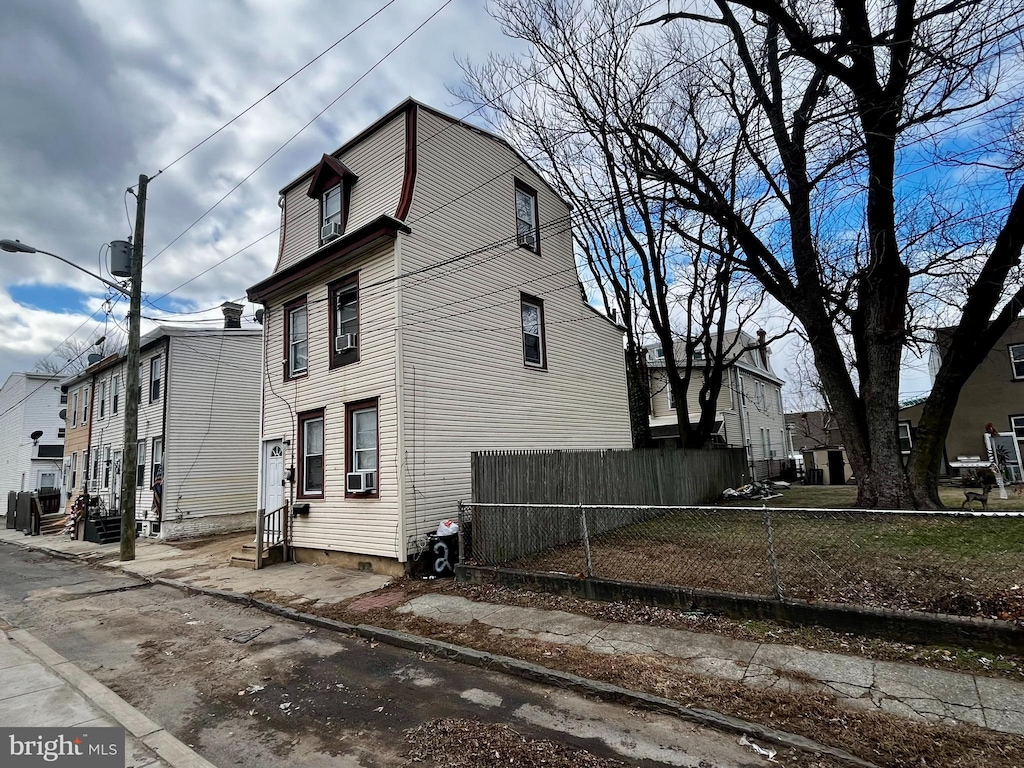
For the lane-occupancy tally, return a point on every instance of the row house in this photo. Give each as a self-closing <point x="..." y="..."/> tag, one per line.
<point x="31" y="432"/>
<point x="198" y="430"/>
<point x="749" y="411"/>
<point x="425" y="304"/>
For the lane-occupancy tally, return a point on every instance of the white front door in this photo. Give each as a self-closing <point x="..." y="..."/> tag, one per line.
<point x="273" y="474"/>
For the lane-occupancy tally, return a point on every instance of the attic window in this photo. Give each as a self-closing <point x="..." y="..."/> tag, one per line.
<point x="331" y="185"/>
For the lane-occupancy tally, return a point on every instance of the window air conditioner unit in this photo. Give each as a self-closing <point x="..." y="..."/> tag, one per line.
<point x="361" y="481"/>
<point x="344" y="342"/>
<point x="330" y="231"/>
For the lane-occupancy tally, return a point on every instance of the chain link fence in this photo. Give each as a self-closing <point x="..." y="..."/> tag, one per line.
<point x="961" y="563"/>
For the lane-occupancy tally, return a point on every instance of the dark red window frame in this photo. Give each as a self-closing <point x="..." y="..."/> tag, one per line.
<point x="300" y="476"/>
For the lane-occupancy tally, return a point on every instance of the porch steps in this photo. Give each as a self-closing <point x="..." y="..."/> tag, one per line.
<point x="103" y="530"/>
<point x="246" y="558"/>
<point x="51" y="523"/>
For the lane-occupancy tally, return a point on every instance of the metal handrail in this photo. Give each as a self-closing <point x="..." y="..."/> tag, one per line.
<point x="271" y="531"/>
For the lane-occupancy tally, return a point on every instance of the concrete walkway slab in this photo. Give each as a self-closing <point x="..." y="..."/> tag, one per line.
<point x="45" y="690"/>
<point x="902" y="689"/>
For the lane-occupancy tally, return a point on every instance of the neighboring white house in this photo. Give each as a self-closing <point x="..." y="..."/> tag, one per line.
<point x="425" y="305"/>
<point x="31" y="433"/>
<point x="198" y="429"/>
<point x="750" y="409"/>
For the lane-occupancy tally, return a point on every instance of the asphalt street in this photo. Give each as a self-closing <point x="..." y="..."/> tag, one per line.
<point x="245" y="688"/>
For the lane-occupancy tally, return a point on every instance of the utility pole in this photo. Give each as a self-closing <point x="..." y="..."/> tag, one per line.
<point x="129" y="473"/>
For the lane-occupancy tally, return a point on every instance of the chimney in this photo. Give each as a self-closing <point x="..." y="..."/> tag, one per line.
<point x="232" y="314"/>
<point x="762" y="347"/>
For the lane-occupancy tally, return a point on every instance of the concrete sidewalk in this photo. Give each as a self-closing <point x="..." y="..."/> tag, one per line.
<point x="42" y="689"/>
<point x="906" y="690"/>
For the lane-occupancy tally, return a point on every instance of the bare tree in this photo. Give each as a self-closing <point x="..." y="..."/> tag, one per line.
<point x="71" y="357"/>
<point x="666" y="271"/>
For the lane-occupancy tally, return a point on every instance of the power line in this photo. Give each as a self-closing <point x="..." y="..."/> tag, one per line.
<point x="295" y="135"/>
<point x="273" y="90"/>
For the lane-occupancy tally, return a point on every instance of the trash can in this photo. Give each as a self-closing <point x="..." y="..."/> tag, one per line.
<point x="438" y="558"/>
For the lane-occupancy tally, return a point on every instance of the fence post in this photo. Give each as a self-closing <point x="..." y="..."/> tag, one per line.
<point x="462" y="525"/>
<point x="586" y="540"/>
<point x="776" y="582"/>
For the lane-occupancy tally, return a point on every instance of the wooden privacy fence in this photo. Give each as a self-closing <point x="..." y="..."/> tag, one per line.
<point x="599" y="478"/>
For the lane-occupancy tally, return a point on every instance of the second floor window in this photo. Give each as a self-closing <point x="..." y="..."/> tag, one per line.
<point x="154" y="379"/>
<point x="344" y="321"/>
<point x="115" y="400"/>
<point x="85" y="405"/>
<point x="906" y="439"/>
<point x="1017" y="361"/>
<point x="74" y="411"/>
<point x="297" y="335"/>
<point x="527" y="226"/>
<point x="533" y="332"/>
<point x="103" y="399"/>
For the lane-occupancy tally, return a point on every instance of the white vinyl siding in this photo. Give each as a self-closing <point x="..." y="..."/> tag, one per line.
<point x="211" y="442"/>
<point x="28" y="402"/>
<point x="465" y="387"/>
<point x="379" y="162"/>
<point x="362" y="525"/>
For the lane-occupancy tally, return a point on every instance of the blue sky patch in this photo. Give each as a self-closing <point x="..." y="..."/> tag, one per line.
<point x="53" y="298"/>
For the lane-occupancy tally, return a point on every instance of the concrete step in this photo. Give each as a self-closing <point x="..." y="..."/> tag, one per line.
<point x="246" y="558"/>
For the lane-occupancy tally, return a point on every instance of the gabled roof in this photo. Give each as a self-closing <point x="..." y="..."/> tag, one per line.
<point x="327" y="174"/>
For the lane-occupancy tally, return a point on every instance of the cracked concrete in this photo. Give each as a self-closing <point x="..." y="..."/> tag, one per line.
<point x="905" y="690"/>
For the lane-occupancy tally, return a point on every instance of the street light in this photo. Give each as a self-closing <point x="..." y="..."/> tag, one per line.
<point x="16" y="246"/>
<point x="132" y="396"/>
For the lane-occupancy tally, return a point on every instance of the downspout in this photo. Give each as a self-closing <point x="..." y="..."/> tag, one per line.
<point x="403" y="547"/>
<point x="747" y="455"/>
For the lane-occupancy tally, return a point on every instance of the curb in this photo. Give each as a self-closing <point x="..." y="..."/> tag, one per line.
<point x="504" y="664"/>
<point x="170" y="750"/>
<point x="533" y="672"/>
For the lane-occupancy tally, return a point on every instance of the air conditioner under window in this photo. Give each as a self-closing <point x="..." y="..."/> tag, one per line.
<point x="330" y="231"/>
<point x="361" y="481"/>
<point x="344" y="342"/>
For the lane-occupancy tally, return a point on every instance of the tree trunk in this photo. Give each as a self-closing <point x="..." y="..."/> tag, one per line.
<point x="639" y="392"/>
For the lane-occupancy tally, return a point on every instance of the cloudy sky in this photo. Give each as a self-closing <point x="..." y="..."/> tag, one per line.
<point x="93" y="93"/>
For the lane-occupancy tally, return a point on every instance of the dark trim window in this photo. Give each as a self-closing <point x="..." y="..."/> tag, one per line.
<point x="158" y="459"/>
<point x="671" y="395"/>
<point x="103" y="399"/>
<point x="63" y="398"/>
<point x="311" y="455"/>
<point x="106" y="467"/>
<point x="61" y="431"/>
<point x="74" y="471"/>
<point x="1017" y="426"/>
<point x="906" y="437"/>
<point x="140" y="461"/>
<point x="296" y="339"/>
<point x="115" y="398"/>
<point x="332" y="206"/>
<point x="362" y="444"/>
<point x="527" y="217"/>
<point x="1017" y="361"/>
<point x="154" y="379"/>
<point x="85" y="405"/>
<point x="344" y="322"/>
<point x="74" y="410"/>
<point x="85" y="467"/>
<point x="534" y="347"/>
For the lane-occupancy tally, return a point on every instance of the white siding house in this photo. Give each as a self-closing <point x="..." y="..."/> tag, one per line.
<point x="30" y="403"/>
<point x="442" y="316"/>
<point x="198" y="431"/>
<point x="750" y="409"/>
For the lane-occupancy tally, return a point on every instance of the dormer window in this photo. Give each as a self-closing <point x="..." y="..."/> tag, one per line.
<point x="332" y="185"/>
<point x="331" y="225"/>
